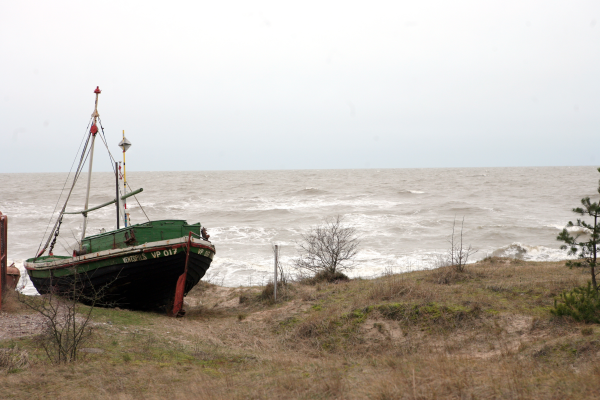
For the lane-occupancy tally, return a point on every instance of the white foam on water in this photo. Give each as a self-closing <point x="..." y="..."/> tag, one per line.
<point x="578" y="230"/>
<point x="242" y="235"/>
<point x="531" y="253"/>
<point x="403" y="216"/>
<point x="258" y="270"/>
<point x="234" y="272"/>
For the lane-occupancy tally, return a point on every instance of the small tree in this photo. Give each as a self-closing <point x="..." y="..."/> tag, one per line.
<point x="329" y="248"/>
<point x="581" y="303"/>
<point x="458" y="254"/>
<point x="586" y="250"/>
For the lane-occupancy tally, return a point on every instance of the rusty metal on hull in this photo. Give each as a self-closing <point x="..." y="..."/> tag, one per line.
<point x="3" y="257"/>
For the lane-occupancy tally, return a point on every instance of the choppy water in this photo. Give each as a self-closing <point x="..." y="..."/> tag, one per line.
<point x="404" y="216"/>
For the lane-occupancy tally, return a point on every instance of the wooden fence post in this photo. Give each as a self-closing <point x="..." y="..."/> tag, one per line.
<point x="276" y="265"/>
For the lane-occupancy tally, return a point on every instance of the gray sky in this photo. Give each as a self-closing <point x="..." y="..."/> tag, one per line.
<point x="292" y="85"/>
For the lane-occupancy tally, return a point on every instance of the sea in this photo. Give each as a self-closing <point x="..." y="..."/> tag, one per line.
<point x="402" y="217"/>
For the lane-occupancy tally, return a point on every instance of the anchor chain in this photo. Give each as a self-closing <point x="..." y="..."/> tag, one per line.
<point x="55" y="236"/>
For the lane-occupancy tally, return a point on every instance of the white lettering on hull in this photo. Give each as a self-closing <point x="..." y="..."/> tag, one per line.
<point x="137" y="257"/>
<point x="165" y="253"/>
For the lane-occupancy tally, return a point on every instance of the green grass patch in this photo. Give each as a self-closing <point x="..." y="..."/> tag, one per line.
<point x="122" y="317"/>
<point x="443" y="316"/>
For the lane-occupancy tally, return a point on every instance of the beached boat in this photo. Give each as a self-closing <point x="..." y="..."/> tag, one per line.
<point x="151" y="265"/>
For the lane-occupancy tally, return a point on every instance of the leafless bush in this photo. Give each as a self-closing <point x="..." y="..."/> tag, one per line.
<point x="458" y="255"/>
<point x="329" y="248"/>
<point x="67" y="321"/>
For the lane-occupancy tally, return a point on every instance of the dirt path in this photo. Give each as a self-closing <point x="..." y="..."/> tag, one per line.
<point x="14" y="326"/>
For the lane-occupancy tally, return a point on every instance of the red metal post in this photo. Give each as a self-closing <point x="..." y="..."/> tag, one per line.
<point x="180" y="288"/>
<point x="3" y="255"/>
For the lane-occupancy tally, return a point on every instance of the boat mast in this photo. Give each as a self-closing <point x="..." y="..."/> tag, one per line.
<point x="125" y="145"/>
<point x="117" y="191"/>
<point x="124" y="184"/>
<point x="93" y="131"/>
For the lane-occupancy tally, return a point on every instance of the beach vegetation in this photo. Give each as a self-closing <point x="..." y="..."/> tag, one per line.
<point x="13" y="359"/>
<point x="324" y="276"/>
<point x="396" y="336"/>
<point x="327" y="250"/>
<point x="66" y="326"/>
<point x="459" y="253"/>
<point x="586" y="249"/>
<point x="581" y="303"/>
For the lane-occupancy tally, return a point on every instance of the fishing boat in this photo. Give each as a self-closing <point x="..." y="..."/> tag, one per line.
<point x="146" y="266"/>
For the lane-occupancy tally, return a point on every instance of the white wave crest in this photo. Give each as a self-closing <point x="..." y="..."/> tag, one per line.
<point x="572" y="229"/>
<point x="531" y="253"/>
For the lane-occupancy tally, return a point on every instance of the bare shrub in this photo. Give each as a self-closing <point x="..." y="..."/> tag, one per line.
<point x="67" y="322"/>
<point x="451" y="266"/>
<point x="458" y="254"/>
<point x="328" y="249"/>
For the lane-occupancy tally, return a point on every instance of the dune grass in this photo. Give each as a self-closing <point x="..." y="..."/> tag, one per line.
<point x="483" y="333"/>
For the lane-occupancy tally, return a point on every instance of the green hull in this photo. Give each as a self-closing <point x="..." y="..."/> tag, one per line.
<point x="138" y="270"/>
<point x="152" y="231"/>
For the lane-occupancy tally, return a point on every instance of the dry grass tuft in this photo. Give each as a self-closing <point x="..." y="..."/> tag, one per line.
<point x="587" y="331"/>
<point x="448" y="275"/>
<point x="324" y="277"/>
<point x="267" y="293"/>
<point x="13" y="359"/>
<point x="203" y="312"/>
<point x="390" y="287"/>
<point x="11" y="303"/>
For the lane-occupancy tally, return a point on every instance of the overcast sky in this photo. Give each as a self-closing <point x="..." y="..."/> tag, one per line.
<point x="234" y="85"/>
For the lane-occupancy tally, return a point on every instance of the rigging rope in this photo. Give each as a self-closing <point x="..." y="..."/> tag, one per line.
<point x="84" y="156"/>
<point x="103" y="137"/>
<point x="135" y="197"/>
<point x="63" y="188"/>
<point x="77" y="174"/>
<point x="62" y="242"/>
<point x="113" y="163"/>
